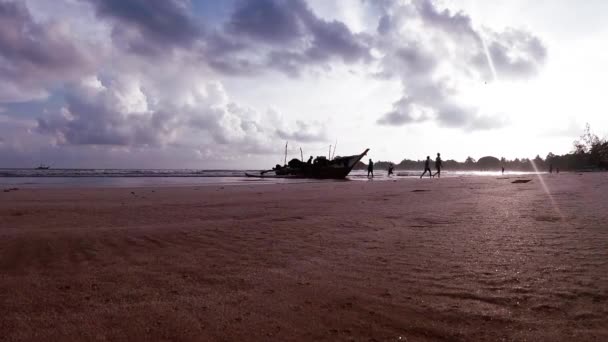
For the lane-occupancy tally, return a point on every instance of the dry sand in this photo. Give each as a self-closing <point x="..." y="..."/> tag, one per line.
<point x="467" y="259"/>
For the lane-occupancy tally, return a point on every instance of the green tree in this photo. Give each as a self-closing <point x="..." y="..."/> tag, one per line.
<point x="469" y="163"/>
<point x="586" y="141"/>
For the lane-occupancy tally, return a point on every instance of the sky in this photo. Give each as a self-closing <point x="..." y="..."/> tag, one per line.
<point x="225" y="84"/>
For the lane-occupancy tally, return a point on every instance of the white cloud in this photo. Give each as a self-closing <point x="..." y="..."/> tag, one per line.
<point x="128" y="110"/>
<point x="436" y="52"/>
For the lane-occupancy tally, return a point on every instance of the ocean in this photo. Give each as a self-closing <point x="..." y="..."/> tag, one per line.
<point x="182" y="177"/>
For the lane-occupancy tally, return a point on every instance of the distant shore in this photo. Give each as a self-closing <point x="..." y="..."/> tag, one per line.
<point x="457" y="258"/>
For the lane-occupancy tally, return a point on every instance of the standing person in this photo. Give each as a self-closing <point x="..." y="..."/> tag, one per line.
<point x="438" y="166"/>
<point x="427" y="167"/>
<point x="390" y="169"/>
<point x="503" y="170"/>
<point x="370" y="168"/>
<point x="550" y="168"/>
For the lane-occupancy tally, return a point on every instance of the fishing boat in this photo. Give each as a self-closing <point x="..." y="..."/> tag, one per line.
<point x="43" y="167"/>
<point x="320" y="168"/>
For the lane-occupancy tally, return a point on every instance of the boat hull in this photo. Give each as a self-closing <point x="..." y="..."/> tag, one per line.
<point x="337" y="168"/>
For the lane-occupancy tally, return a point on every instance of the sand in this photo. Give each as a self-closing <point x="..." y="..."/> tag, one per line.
<point x="459" y="259"/>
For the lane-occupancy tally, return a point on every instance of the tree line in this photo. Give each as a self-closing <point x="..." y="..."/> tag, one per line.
<point x="589" y="152"/>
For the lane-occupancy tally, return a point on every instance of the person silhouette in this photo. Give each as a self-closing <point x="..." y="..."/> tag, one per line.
<point x="427" y="167"/>
<point x="370" y="168"/>
<point x="390" y="169"/>
<point x="438" y="166"/>
<point x="503" y="170"/>
<point x="551" y="168"/>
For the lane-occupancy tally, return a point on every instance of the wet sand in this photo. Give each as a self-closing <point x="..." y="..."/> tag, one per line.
<point x="460" y="259"/>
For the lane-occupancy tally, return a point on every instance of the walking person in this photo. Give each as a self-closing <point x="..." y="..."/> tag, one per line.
<point x="370" y="168"/>
<point x="427" y="167"/>
<point x="390" y="169"/>
<point x="438" y="166"/>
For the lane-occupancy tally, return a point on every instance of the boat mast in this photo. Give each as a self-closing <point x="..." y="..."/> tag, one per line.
<point x="335" y="146"/>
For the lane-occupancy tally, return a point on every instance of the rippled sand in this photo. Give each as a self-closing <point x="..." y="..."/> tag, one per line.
<point x="458" y="259"/>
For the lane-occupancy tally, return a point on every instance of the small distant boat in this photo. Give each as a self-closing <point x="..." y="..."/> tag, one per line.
<point x="320" y="168"/>
<point x="43" y="167"/>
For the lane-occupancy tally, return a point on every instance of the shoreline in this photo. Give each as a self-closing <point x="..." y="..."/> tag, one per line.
<point x="87" y="181"/>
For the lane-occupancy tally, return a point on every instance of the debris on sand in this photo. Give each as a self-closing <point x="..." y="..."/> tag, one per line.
<point x="417" y="190"/>
<point x="11" y="189"/>
<point x="520" y="181"/>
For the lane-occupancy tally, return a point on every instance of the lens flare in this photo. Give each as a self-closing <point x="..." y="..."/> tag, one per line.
<point x="546" y="189"/>
<point x="488" y="57"/>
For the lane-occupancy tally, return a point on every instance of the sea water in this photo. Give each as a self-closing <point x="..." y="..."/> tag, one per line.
<point x="182" y="177"/>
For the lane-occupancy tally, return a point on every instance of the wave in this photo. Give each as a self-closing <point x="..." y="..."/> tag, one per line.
<point x="120" y="173"/>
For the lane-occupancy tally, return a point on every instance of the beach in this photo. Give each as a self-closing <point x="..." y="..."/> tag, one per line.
<point x="452" y="259"/>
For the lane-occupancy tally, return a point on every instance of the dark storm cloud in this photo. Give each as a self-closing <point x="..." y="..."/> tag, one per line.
<point x="272" y="21"/>
<point x="24" y="41"/>
<point x="149" y="26"/>
<point x="281" y="35"/>
<point x="34" y="55"/>
<point x="334" y="38"/>
<point x="262" y="35"/>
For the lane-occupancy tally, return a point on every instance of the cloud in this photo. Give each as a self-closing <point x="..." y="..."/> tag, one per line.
<point x="147" y="75"/>
<point x="486" y="122"/>
<point x="516" y="53"/>
<point x="271" y="21"/>
<point x="281" y="35"/>
<point x="258" y="36"/>
<point x="122" y="112"/>
<point x="115" y="114"/>
<point x="436" y="52"/>
<point x="405" y="112"/>
<point x="455" y="24"/>
<point x="35" y="56"/>
<point x="304" y="132"/>
<point x="138" y="110"/>
<point x="149" y="27"/>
